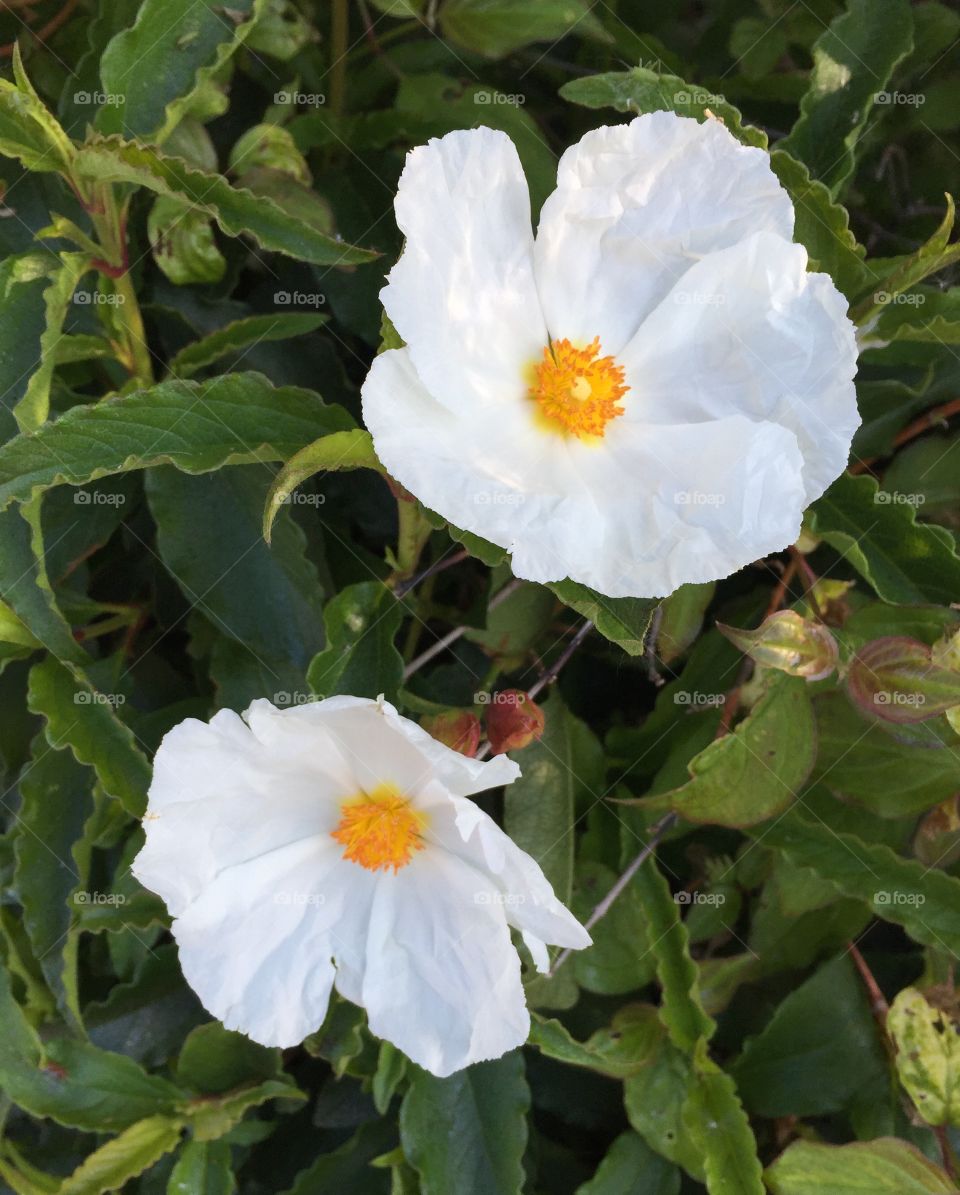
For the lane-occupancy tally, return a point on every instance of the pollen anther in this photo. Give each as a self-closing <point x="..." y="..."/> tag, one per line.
<point x="380" y="829"/>
<point x="577" y="390"/>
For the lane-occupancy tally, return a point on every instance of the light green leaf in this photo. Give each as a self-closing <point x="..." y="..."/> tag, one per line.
<point x="240" y="335"/>
<point x="183" y="243"/>
<point x="29" y="132"/>
<point x="203" y="1168"/>
<point x="757" y="771"/>
<point x="886" y="1166"/>
<point x="214" y="1060"/>
<point x="630" y="1167"/>
<point x="928" y="1055"/>
<point x="622" y="1049"/>
<point x="905" y="561"/>
<point x="853" y="61"/>
<point x="340" y="450"/>
<point x="360" y="659"/>
<point x="85" y="720"/>
<point x="152" y="71"/>
<point x="922" y="900"/>
<point x="238" y="212"/>
<point x="624" y="621"/>
<point x="195" y="426"/>
<point x="119" y="1161"/>
<point x="644" y="90"/>
<point x="472" y="1123"/>
<point x="539" y="808"/>
<point x="620" y="959"/>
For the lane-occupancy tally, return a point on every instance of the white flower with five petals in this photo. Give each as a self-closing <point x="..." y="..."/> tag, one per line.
<point x="333" y="845"/>
<point x="647" y="393"/>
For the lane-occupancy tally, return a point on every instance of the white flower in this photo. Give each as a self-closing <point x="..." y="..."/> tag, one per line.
<point x="648" y="393"/>
<point x="332" y="844"/>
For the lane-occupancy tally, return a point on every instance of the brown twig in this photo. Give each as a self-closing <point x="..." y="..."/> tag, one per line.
<point x="551" y="673"/>
<point x="925" y="423"/>
<point x="48" y="30"/>
<point x="878" y="1002"/>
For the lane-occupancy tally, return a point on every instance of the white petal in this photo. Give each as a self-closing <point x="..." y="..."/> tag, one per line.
<point x="218" y="799"/>
<point x="257" y="945"/>
<point x="442" y="979"/>
<point x="749" y="330"/>
<point x="515" y="880"/>
<point x="463" y="294"/>
<point x="636" y="206"/>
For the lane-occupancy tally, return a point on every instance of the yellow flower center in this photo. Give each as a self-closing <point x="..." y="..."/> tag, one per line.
<point x="380" y="829"/>
<point x="577" y="389"/>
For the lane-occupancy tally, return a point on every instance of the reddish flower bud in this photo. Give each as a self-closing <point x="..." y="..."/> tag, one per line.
<point x="514" y="720"/>
<point x="459" y="729"/>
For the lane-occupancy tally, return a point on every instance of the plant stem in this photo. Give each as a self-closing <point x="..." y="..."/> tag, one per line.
<point x="452" y="636"/>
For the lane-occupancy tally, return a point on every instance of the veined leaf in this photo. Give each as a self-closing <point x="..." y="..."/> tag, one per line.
<point x="28" y="130"/>
<point x="195" y="426"/>
<point x="853" y="61"/>
<point x="928" y="1055"/>
<point x="135" y="1150"/>
<point x="360" y="658"/>
<point x="625" y="621"/>
<point x="886" y="1166"/>
<point x="242" y="334"/>
<point x="238" y="212"/>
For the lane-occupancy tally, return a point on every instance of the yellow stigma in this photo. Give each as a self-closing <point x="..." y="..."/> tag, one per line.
<point x="577" y="389"/>
<point x="380" y="829"/>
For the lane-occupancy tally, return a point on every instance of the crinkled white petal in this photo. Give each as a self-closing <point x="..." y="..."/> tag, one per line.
<point x="442" y="978"/>
<point x="636" y="206"/>
<point x="749" y="329"/>
<point x="463" y="294"/>
<point x="268" y="913"/>
<point x="649" y="508"/>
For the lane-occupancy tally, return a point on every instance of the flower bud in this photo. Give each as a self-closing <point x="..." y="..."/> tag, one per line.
<point x="897" y="679"/>
<point x="789" y="642"/>
<point x="459" y="729"/>
<point x="514" y="720"/>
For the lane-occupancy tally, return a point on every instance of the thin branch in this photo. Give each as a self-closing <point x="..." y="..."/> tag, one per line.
<point x="927" y="422"/>
<point x="553" y="671"/>
<point x="452" y="636"/>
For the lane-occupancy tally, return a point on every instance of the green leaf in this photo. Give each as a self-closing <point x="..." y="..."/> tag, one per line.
<point x="886" y="1166"/>
<point x="472" y="1123"/>
<point x="922" y="900"/>
<point x="28" y="131"/>
<point x="34" y="407"/>
<point x="630" y="1167"/>
<point x="808" y="1061"/>
<point x="73" y="1082"/>
<point x="266" y="598"/>
<point x="52" y="863"/>
<point x="361" y="658"/>
<point x="85" y="720"/>
<point x="624" y="621"/>
<point x="719" y="1127"/>
<point x="23" y="321"/>
<point x="756" y="772"/>
<point x="622" y="1049"/>
<point x="538" y="809"/>
<point x="340" y="450"/>
<point x="347" y="1170"/>
<point x="237" y="211"/>
<point x="620" y="959"/>
<point x="151" y="71"/>
<point x="203" y="1168"/>
<point x="195" y="426"/>
<point x="897" y="679"/>
<point x="878" y="770"/>
<point x="183" y="243"/>
<point x="682" y="621"/>
<point x="644" y="90"/>
<point x="390" y="1073"/>
<point x="903" y="560"/>
<point x="928" y="1055"/>
<point x="853" y="61"/>
<point x="135" y="1150"/>
<point x="214" y="1060"/>
<point x="789" y="642"/>
<point x="240" y="335"/>
<point x="496" y="28"/>
<point x="928" y="468"/>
